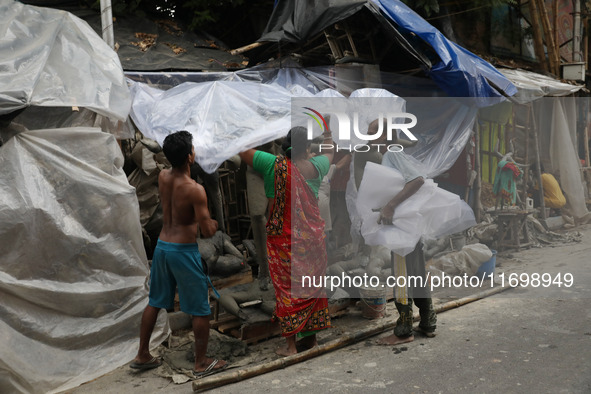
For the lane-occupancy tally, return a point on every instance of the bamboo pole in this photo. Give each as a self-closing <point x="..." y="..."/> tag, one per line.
<point x="555" y="26"/>
<point x="526" y="169"/>
<point x="538" y="43"/>
<point x="476" y="204"/>
<point x="549" y="35"/>
<point x="586" y="42"/>
<point x="586" y="139"/>
<point x="245" y="48"/>
<point x="538" y="167"/>
<point x="228" y="377"/>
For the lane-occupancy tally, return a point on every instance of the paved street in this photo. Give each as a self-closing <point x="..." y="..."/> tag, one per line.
<point x="522" y="340"/>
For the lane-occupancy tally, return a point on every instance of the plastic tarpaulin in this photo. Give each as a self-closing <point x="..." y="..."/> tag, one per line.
<point x="249" y="108"/>
<point x="556" y="122"/>
<point x="459" y="72"/>
<point x="297" y="21"/>
<point x="431" y="212"/>
<point x="39" y="118"/>
<point x="532" y="86"/>
<point x="224" y="117"/>
<point x="73" y="271"/>
<point x="51" y="58"/>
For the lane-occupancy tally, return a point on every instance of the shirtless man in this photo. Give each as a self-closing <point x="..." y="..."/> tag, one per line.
<point x="176" y="259"/>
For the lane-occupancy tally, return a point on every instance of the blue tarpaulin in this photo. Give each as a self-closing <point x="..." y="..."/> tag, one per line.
<point x="459" y="73"/>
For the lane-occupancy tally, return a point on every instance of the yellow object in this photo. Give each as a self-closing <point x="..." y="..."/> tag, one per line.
<point x="553" y="197"/>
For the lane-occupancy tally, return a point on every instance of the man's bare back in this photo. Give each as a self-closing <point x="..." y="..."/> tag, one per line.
<point x="184" y="207"/>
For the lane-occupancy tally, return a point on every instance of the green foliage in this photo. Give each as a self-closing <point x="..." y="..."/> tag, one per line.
<point x="207" y="11"/>
<point x="426" y="7"/>
<point x="195" y="13"/>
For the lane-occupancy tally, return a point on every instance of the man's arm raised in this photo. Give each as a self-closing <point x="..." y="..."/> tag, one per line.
<point x="207" y="225"/>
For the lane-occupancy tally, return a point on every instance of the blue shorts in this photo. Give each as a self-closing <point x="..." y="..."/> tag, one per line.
<point x="179" y="265"/>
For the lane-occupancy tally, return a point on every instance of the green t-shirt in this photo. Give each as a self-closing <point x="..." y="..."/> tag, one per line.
<point x="264" y="163"/>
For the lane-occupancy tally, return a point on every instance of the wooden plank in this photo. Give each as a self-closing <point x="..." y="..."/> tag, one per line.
<point x="236" y="279"/>
<point x="227" y="327"/>
<point x="250" y="303"/>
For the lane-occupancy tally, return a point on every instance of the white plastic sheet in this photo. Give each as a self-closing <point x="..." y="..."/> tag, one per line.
<point x="229" y="116"/>
<point x="564" y="157"/>
<point x="224" y="117"/>
<point x="73" y="269"/>
<point x="431" y="212"/>
<point x="532" y="86"/>
<point x="52" y="58"/>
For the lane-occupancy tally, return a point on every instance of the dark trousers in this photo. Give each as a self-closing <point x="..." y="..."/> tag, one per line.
<point x="420" y="295"/>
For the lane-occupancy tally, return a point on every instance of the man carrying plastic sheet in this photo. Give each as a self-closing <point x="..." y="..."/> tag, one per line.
<point x="411" y="265"/>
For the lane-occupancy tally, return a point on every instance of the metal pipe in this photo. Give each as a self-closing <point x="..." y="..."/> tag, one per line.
<point x="107" y="23"/>
<point x="577" y="55"/>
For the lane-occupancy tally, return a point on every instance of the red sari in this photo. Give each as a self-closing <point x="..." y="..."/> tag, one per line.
<point x="295" y="248"/>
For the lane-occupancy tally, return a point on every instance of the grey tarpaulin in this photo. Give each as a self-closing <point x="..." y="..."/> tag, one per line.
<point x="73" y="269"/>
<point x="51" y="58"/>
<point x="297" y="21"/>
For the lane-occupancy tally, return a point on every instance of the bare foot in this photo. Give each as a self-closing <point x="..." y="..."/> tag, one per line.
<point x="285" y="351"/>
<point x="308" y="343"/>
<point x="393" y="340"/>
<point x="200" y="367"/>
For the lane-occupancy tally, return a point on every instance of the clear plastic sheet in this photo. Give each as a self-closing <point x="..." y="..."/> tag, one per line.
<point x="73" y="271"/>
<point x="430" y="213"/>
<point x="225" y="117"/>
<point x="532" y="86"/>
<point x="230" y="115"/>
<point x="563" y="155"/>
<point x="51" y="58"/>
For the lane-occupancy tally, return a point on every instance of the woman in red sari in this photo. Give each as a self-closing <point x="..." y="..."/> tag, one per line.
<point x="295" y="236"/>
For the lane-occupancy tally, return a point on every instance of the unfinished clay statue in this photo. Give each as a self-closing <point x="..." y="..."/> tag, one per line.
<point x="221" y="256"/>
<point x="231" y="301"/>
